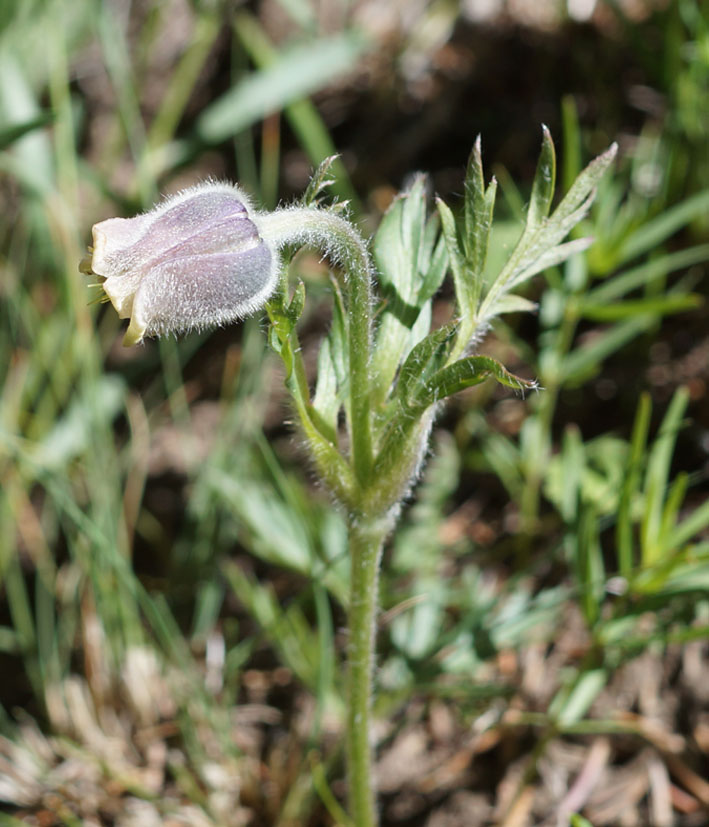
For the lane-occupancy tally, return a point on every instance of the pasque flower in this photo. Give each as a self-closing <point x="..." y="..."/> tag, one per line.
<point x="206" y="257"/>
<point x="195" y="260"/>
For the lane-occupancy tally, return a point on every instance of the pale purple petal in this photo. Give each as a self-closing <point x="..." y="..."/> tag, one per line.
<point x="201" y="290"/>
<point x="196" y="259"/>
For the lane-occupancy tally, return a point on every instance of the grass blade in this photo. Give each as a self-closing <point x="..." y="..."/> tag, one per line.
<point x="298" y="72"/>
<point x="631" y="482"/>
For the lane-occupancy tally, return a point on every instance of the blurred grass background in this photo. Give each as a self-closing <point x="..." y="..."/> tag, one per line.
<point x="172" y="584"/>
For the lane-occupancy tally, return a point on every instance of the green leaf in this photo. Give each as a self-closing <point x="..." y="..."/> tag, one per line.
<point x="588" y="180"/>
<point x="338" y="337"/>
<point x="540" y="244"/>
<point x="551" y="258"/>
<point x="631" y="482"/>
<point x="286" y="628"/>
<point x="643" y="275"/>
<point x="412" y="262"/>
<point x="585" y="360"/>
<point x="299" y="71"/>
<point x="321" y="179"/>
<point x="577" y="820"/>
<point x="415" y="632"/>
<point x="466" y="373"/>
<point x="572" y="141"/>
<point x="588" y="562"/>
<point x="32" y="159"/>
<point x="695" y="522"/>
<point x="397" y="250"/>
<point x="513" y="618"/>
<point x="464" y="287"/>
<point x="275" y="341"/>
<point x="431" y="236"/>
<point x="479" y="205"/>
<point x="428" y="356"/>
<point x="544" y="180"/>
<point x="74" y="431"/>
<point x="657" y="475"/>
<point x="436" y="261"/>
<point x="303" y="116"/>
<point x="584" y="692"/>
<point x="320" y="437"/>
<point x="601" y="462"/>
<point x="573" y="467"/>
<point x="413" y="222"/>
<point x="673" y="503"/>
<point x="327" y="401"/>
<point x="654" y="232"/>
<point x="512" y="303"/>
<point x="284" y="527"/>
<point x="13" y="132"/>
<point x="282" y="326"/>
<point x="297" y="303"/>
<point x="301" y="11"/>
<point x="503" y="457"/>
<point x="658" y="306"/>
<point x="684" y="580"/>
<point x="580" y="513"/>
<point x="277" y="535"/>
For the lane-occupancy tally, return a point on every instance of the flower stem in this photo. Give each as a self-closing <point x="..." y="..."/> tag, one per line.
<point x="370" y="516"/>
<point x="338" y="239"/>
<point x="366" y="539"/>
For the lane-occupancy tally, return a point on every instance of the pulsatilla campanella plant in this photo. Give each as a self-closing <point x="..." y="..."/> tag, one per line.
<point x="207" y="257"/>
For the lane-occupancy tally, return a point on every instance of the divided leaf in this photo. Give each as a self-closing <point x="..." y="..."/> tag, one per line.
<point x="321" y="180"/>
<point x="326" y="400"/>
<point x="467" y="252"/>
<point x="397" y="244"/>
<point x="436" y="258"/>
<point x="479" y="205"/>
<point x="465" y="373"/>
<point x="465" y="294"/>
<point x="585" y="184"/>
<point x="544" y="180"/>
<point x="338" y="337"/>
<point x="412" y="261"/>
<point x="427" y="357"/>
<point x="297" y="303"/>
<point x="540" y="245"/>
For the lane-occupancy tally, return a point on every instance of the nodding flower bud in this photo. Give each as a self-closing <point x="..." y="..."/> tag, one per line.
<point x="195" y="260"/>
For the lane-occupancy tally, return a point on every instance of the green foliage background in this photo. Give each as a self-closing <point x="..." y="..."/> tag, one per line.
<point x="153" y="507"/>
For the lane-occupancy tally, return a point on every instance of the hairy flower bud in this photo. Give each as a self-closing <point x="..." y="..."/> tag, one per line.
<point x="193" y="261"/>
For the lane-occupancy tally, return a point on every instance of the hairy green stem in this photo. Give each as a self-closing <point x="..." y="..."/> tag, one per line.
<point x="369" y="502"/>
<point x="366" y="540"/>
<point x="338" y="239"/>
